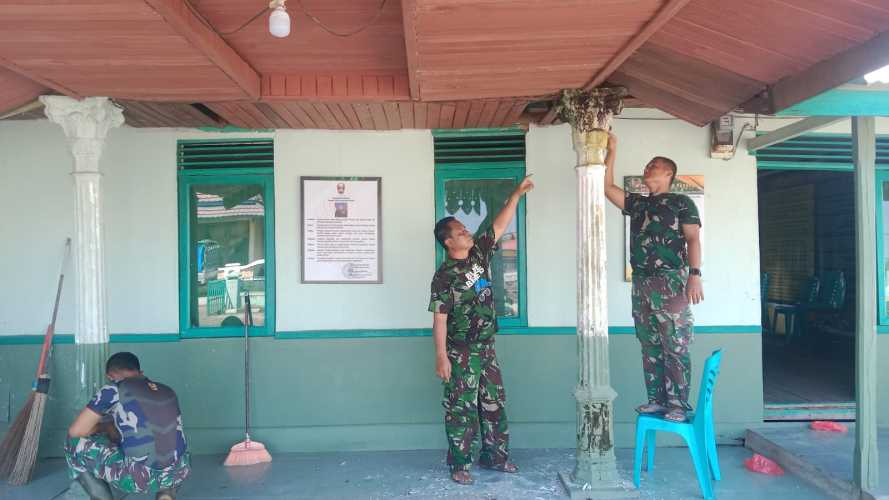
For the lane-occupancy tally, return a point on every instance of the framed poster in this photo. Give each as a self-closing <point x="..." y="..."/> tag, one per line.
<point x="689" y="185"/>
<point x="341" y="230"/>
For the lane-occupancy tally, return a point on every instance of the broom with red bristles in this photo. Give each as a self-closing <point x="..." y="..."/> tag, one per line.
<point x="247" y="452"/>
<point x="18" y="451"/>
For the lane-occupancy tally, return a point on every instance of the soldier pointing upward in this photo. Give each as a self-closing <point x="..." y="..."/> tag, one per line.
<point x="463" y="329"/>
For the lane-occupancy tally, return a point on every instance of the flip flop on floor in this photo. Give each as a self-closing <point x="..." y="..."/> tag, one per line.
<point x="507" y="467"/>
<point x="462" y="477"/>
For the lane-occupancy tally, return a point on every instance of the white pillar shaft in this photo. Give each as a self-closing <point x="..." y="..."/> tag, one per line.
<point x="592" y="282"/>
<point x="89" y="257"/>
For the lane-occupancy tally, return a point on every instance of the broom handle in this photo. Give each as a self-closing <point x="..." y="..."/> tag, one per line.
<point x="51" y="329"/>
<point x="248" y="321"/>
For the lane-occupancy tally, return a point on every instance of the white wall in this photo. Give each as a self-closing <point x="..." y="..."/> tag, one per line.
<point x="139" y="168"/>
<point x="404" y="160"/>
<point x="36" y="203"/>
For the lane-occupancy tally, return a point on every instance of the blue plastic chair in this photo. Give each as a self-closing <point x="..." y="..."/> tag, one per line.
<point x="697" y="431"/>
<point x="795" y="314"/>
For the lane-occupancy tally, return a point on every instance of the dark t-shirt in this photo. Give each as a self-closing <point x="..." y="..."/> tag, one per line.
<point x="657" y="242"/>
<point x="147" y="416"/>
<point x="463" y="290"/>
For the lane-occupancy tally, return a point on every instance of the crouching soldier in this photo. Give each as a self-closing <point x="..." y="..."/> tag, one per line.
<point x="129" y="437"/>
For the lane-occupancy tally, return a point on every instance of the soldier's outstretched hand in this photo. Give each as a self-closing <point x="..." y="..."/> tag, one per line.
<point x="525" y="186"/>
<point x="443" y="368"/>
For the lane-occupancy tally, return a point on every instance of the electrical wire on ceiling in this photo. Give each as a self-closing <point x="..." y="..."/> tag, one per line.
<point x="346" y="34"/>
<point x="302" y="7"/>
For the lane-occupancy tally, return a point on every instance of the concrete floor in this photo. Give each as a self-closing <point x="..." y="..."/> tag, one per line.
<point x="422" y="474"/>
<point x="828" y="453"/>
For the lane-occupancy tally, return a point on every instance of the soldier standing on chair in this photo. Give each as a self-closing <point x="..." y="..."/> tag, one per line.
<point x="463" y="329"/>
<point x="665" y="255"/>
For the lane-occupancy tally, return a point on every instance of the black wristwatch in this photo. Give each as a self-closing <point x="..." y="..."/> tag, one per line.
<point x="694" y="271"/>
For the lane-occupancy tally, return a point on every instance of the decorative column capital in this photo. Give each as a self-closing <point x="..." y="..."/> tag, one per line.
<point x="591" y="110"/>
<point x="590" y="114"/>
<point x="86" y="123"/>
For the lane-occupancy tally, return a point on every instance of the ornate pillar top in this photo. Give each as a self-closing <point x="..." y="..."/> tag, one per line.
<point x="591" y="110"/>
<point x="89" y="118"/>
<point x="86" y="123"/>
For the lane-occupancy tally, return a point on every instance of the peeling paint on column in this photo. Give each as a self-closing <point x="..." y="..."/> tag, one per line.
<point x="593" y="434"/>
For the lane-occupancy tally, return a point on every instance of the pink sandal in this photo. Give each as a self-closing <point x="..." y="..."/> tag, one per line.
<point x="651" y="408"/>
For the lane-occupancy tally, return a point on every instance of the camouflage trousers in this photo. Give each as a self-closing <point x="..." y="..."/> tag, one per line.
<point x="665" y="328"/>
<point x="474" y="397"/>
<point x="96" y="455"/>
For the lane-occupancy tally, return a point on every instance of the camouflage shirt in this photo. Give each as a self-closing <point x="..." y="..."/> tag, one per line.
<point x="147" y="416"/>
<point x="463" y="290"/>
<point x="657" y="243"/>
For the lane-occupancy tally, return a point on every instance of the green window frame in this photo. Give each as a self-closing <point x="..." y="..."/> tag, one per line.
<point x="495" y="160"/>
<point x="237" y="170"/>
<point x="822" y="151"/>
<point x="882" y="176"/>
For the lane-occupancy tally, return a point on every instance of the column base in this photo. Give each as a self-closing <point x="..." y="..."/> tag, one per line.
<point x="603" y="491"/>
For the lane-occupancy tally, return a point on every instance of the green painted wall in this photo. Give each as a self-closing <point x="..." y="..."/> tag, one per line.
<point x="372" y="394"/>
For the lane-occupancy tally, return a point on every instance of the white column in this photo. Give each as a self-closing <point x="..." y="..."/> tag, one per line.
<point x="86" y="124"/>
<point x="595" y="472"/>
<point x="866" y="459"/>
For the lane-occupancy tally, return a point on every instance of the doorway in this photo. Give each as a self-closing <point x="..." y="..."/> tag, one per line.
<point x="807" y="264"/>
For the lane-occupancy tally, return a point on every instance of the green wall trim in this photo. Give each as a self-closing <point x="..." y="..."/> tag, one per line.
<point x="138" y="338"/>
<point x="477" y="131"/>
<point x="67" y="338"/>
<point x="842" y="102"/>
<point x="354" y="334"/>
<point x="122" y="338"/>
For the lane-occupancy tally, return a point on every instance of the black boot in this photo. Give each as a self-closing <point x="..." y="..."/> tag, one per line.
<point x="95" y="487"/>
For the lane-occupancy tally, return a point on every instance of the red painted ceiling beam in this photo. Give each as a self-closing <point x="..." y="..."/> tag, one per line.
<point x="666" y="13"/>
<point x="206" y="40"/>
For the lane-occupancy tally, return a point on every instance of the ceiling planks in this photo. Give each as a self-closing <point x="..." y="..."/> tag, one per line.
<point x="17" y="91"/>
<point x="186" y="23"/>
<point x="433" y="63"/>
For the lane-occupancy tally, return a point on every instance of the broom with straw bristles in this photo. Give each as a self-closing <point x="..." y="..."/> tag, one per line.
<point x="18" y="451"/>
<point x="247" y="452"/>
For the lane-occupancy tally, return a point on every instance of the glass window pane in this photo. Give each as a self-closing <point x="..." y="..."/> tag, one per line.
<point x="475" y="203"/>
<point x="228" y="253"/>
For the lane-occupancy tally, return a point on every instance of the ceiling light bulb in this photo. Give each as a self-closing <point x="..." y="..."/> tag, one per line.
<point x="279" y="22"/>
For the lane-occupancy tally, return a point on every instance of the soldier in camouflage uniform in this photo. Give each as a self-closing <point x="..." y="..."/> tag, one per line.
<point x="665" y="255"/>
<point x="463" y="329"/>
<point x="139" y="447"/>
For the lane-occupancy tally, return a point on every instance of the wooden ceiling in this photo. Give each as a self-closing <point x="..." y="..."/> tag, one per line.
<point x="431" y="63"/>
